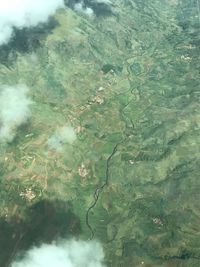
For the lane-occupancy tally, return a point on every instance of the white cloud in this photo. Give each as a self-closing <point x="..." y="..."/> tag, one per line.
<point x="64" y="254"/>
<point x="79" y="7"/>
<point x="63" y="135"/>
<point x="24" y="13"/>
<point x="14" y="110"/>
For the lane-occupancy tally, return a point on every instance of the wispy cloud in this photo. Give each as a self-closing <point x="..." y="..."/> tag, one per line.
<point x="24" y="13"/>
<point x="64" y="254"/>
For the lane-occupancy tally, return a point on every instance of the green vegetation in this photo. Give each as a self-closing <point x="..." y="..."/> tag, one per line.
<point x="130" y="79"/>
